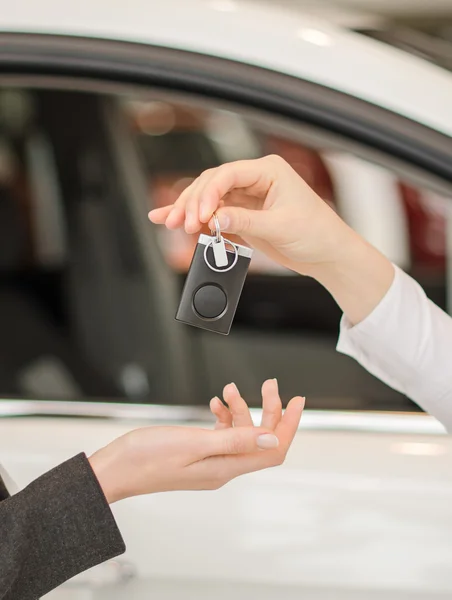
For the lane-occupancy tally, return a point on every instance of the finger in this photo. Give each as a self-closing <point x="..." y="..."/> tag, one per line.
<point x="192" y="222"/>
<point x="223" y="415"/>
<point x="187" y="205"/>
<point x="159" y="215"/>
<point x="240" y="440"/>
<point x="189" y="201"/>
<point x="244" y="221"/>
<point x="238" y="407"/>
<point x="271" y="404"/>
<point x="176" y="217"/>
<point x="288" y="426"/>
<point x="195" y="198"/>
<point x="234" y="466"/>
<point x="239" y="174"/>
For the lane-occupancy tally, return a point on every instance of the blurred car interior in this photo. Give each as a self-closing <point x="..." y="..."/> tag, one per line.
<point x="81" y="312"/>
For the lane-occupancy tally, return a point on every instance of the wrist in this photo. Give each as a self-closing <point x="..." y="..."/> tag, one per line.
<point x="105" y="468"/>
<point x="358" y="277"/>
<point x="345" y="249"/>
<point x="340" y="247"/>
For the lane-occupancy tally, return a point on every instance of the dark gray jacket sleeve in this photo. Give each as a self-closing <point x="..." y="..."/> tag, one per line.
<point x="58" y="526"/>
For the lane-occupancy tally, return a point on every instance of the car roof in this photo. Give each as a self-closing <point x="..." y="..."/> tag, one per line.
<point x="269" y="36"/>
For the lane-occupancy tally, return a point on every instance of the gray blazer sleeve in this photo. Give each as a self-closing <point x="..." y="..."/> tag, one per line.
<point x="57" y="527"/>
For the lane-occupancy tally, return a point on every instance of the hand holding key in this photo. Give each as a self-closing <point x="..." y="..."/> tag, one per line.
<point x="265" y="202"/>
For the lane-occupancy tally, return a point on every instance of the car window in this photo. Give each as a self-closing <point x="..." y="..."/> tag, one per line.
<point x="87" y="300"/>
<point x="286" y="326"/>
<point x="76" y="314"/>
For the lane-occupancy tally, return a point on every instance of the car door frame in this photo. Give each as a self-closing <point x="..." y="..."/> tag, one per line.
<point x="47" y="59"/>
<point x="219" y="78"/>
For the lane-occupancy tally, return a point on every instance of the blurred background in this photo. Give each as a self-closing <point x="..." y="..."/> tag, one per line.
<point x="423" y="29"/>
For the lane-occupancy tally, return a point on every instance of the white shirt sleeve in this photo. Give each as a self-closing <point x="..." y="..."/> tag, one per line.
<point x="407" y="343"/>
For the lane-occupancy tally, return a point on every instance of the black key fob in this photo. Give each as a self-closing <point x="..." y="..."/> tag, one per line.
<point x="214" y="283"/>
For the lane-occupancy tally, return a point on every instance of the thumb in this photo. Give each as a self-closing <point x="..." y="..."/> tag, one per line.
<point x="243" y="221"/>
<point x="241" y="440"/>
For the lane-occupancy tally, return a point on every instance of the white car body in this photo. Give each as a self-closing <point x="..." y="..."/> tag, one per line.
<point x="362" y="508"/>
<point x="282" y="40"/>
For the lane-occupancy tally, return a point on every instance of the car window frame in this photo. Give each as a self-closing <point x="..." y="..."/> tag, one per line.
<point x="312" y="106"/>
<point x="247" y="85"/>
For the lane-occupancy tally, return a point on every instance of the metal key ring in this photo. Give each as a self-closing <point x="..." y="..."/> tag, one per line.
<point x="217" y="231"/>
<point x="234" y="262"/>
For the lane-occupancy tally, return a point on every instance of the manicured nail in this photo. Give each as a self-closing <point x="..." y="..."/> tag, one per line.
<point x="300" y="401"/>
<point x="231" y="390"/>
<point x="267" y="441"/>
<point x="273" y="384"/>
<point x="224" y="221"/>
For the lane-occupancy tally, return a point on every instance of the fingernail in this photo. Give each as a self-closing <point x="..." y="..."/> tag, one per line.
<point x="267" y="440"/>
<point x="224" y="221"/>
<point x="301" y="402"/>
<point x="231" y="390"/>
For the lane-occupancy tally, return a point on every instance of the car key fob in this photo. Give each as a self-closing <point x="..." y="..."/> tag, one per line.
<point x="214" y="284"/>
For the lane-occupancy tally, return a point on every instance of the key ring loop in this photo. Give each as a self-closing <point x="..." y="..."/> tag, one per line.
<point x="217" y="231"/>
<point x="234" y="262"/>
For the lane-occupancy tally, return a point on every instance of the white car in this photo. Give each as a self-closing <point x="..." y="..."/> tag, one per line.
<point x="109" y="108"/>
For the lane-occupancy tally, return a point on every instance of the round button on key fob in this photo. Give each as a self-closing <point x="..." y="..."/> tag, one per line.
<point x="210" y="301"/>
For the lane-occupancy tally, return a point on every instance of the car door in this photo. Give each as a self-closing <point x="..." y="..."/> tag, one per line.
<point x="110" y="129"/>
